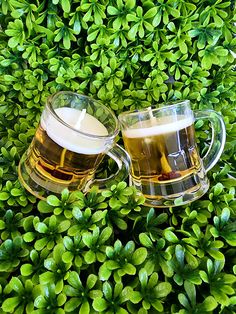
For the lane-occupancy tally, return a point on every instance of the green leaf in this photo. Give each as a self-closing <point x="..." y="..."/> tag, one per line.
<point x="133" y="31"/>
<point x="100" y="304"/>
<point x="91" y="281"/>
<point x="216" y="254"/>
<point x="143" y="277"/>
<point x="111" y="265"/>
<point x="41" y="227"/>
<point x="225" y="215"/>
<point x="170" y="236"/>
<point x="53" y="200"/>
<point x="40" y="302"/>
<point x="135" y="297"/>
<point x="105" y="235"/>
<point x="129" y="247"/>
<point x="171" y="27"/>
<point x="129" y="269"/>
<point x="90" y="257"/>
<point x="139" y="256"/>
<point x="4" y="196"/>
<point x="85" y="308"/>
<point x="150" y="13"/>
<point x="209" y="304"/>
<point x="63" y="226"/>
<point x="44" y="207"/>
<point x="40" y="244"/>
<point x="112" y="10"/>
<point x="184" y="301"/>
<point x="104" y="272"/>
<point x="203" y="276"/>
<point x="163" y="289"/>
<point x="121" y="224"/>
<point x="157" y="305"/>
<point x="107" y="290"/>
<point x="74" y="279"/>
<point x="16" y="192"/>
<point x="65" y="5"/>
<point x="10" y="304"/>
<point x="145" y="240"/>
<point x="26" y="270"/>
<point x="218" y="188"/>
<point x="191" y="291"/>
<point x="72" y="304"/>
<point x="46" y="277"/>
<point x="179" y="252"/>
<point x="16" y="285"/>
<point x="206" y="62"/>
<point x="29" y="236"/>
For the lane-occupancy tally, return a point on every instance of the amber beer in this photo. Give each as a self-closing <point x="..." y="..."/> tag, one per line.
<point x="59" y="158"/>
<point x="62" y="167"/>
<point x="165" y="164"/>
<point x="164" y="156"/>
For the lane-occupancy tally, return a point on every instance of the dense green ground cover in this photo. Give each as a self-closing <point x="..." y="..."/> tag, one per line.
<point x="106" y="252"/>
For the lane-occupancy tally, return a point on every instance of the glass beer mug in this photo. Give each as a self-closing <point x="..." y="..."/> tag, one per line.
<point x="165" y="163"/>
<point x="74" y="135"/>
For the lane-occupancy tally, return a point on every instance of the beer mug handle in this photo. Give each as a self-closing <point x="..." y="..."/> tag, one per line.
<point x="122" y="159"/>
<point x="218" y="137"/>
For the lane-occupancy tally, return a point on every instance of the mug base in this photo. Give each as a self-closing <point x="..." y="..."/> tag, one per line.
<point x="178" y="200"/>
<point x="38" y="184"/>
<point x="175" y="193"/>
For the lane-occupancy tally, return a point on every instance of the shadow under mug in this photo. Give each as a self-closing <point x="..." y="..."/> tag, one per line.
<point x="74" y="135"/>
<point x="165" y="163"/>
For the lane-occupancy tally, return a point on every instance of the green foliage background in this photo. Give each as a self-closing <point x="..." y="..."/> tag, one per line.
<point x="106" y="252"/>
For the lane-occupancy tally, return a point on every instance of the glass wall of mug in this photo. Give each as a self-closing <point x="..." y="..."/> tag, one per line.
<point x="165" y="163"/>
<point x="74" y="135"/>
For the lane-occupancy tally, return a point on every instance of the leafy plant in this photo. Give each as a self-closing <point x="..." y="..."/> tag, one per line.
<point x="81" y="295"/>
<point x="188" y="300"/>
<point x="21" y="296"/>
<point x="114" y="296"/>
<point x="150" y="293"/>
<point x="105" y="251"/>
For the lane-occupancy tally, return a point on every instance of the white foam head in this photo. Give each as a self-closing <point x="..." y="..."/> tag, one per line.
<point x="158" y="126"/>
<point x="69" y="138"/>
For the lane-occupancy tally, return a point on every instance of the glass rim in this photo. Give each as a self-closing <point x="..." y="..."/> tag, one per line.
<point x="92" y="136"/>
<point x="166" y="106"/>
